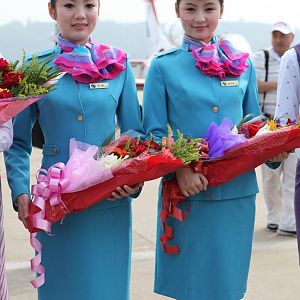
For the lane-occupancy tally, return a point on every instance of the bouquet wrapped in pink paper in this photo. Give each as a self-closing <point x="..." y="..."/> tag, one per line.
<point x="92" y="174"/>
<point x="22" y="85"/>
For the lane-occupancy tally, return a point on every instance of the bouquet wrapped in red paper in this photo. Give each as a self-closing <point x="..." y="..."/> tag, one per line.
<point x="270" y="140"/>
<point x="266" y="139"/>
<point x="92" y="174"/>
<point x="22" y="85"/>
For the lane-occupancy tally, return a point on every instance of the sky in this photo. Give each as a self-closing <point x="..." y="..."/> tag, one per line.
<point x="266" y="11"/>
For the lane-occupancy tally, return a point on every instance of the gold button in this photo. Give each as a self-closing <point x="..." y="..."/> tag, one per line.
<point x="54" y="150"/>
<point x="215" y="109"/>
<point x="80" y="117"/>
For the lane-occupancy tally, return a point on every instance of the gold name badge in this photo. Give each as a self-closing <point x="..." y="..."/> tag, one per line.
<point x="99" y="85"/>
<point x="229" y="83"/>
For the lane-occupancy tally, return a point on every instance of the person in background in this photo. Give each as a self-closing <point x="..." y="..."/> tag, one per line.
<point x="6" y="138"/>
<point x="88" y="255"/>
<point x="216" y="238"/>
<point x="288" y="103"/>
<point x="278" y="184"/>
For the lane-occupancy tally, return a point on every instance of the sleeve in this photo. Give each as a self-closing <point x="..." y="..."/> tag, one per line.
<point x="251" y="105"/>
<point x="155" y="102"/>
<point x="251" y="102"/>
<point x="129" y="114"/>
<point x="128" y="111"/>
<point x="17" y="158"/>
<point x="6" y="135"/>
<point x="288" y="91"/>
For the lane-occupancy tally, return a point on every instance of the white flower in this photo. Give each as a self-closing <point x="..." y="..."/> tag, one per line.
<point x="263" y="130"/>
<point x="111" y="160"/>
<point x="55" y="79"/>
<point x="234" y="130"/>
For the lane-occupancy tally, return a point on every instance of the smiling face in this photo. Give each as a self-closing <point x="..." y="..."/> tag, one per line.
<point x="76" y="18"/>
<point x="199" y="18"/>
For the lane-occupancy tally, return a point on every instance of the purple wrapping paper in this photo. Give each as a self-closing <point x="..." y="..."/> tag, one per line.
<point x="220" y="138"/>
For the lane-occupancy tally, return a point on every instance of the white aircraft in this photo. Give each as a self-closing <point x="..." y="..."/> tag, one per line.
<point x="156" y="42"/>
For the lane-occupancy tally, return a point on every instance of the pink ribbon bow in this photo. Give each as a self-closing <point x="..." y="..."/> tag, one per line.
<point x="50" y="185"/>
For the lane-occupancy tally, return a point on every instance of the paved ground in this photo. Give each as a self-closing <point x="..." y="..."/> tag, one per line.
<point x="274" y="275"/>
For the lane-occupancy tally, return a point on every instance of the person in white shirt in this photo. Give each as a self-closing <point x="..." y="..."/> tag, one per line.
<point x="279" y="184"/>
<point x="288" y="102"/>
<point x="288" y="94"/>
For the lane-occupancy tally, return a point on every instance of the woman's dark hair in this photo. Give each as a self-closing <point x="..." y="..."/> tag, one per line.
<point x="178" y="2"/>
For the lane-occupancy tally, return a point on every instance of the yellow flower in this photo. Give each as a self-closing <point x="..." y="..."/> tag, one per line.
<point x="272" y="125"/>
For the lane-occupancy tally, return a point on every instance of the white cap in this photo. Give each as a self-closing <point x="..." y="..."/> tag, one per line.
<point x="283" y="27"/>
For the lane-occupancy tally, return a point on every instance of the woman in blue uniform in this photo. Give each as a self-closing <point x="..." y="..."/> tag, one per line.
<point x="88" y="255"/>
<point x="215" y="239"/>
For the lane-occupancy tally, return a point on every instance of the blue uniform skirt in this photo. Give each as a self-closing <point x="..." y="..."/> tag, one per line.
<point x="215" y="247"/>
<point x="89" y="256"/>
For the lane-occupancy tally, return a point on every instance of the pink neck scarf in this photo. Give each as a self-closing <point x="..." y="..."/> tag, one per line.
<point x="219" y="58"/>
<point x="90" y="62"/>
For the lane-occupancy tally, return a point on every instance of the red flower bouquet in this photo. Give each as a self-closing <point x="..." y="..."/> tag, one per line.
<point x="267" y="139"/>
<point x="92" y="174"/>
<point x="22" y="85"/>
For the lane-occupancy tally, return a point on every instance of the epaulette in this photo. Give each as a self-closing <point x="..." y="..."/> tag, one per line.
<point x="166" y="52"/>
<point x="43" y="54"/>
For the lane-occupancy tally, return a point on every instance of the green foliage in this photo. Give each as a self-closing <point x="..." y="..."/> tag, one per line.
<point x="185" y="148"/>
<point x="247" y="118"/>
<point x="37" y="74"/>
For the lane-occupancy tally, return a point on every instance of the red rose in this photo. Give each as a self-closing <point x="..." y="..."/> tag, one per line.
<point x="11" y="78"/>
<point x="5" y="94"/>
<point x="4" y="65"/>
<point x="250" y="129"/>
<point x="138" y="149"/>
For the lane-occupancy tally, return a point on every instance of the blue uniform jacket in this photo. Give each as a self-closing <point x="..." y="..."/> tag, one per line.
<point x="178" y="93"/>
<point x="72" y="110"/>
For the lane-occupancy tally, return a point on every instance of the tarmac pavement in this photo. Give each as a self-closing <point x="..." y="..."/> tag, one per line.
<point x="274" y="274"/>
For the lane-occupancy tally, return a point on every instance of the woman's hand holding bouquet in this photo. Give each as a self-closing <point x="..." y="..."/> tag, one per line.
<point x="189" y="182"/>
